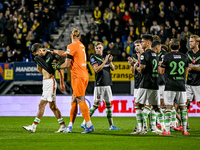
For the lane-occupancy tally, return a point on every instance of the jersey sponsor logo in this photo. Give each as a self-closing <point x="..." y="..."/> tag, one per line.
<point x="107" y="65"/>
<point x="83" y="64"/>
<point x="153" y="54"/>
<point x="142" y="57"/>
<point x="177" y="56"/>
<point x="68" y="50"/>
<point x="92" y="60"/>
<point x="82" y="45"/>
<point x="48" y="59"/>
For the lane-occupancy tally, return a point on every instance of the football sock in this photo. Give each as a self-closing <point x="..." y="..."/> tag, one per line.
<point x="93" y="109"/>
<point x="184" y="119"/>
<point x="109" y="114"/>
<point x="146" y="112"/>
<point x="160" y="116"/>
<point x="168" y="115"/>
<point x="179" y="113"/>
<point x="85" y="111"/>
<point x="173" y="117"/>
<point x="139" y="117"/>
<point x="89" y="124"/>
<point x="153" y="118"/>
<point x="73" y="112"/>
<point x="61" y="121"/>
<point x="70" y="124"/>
<point x="36" y="122"/>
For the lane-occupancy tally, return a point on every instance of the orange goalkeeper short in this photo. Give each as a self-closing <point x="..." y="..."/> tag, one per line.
<point x="79" y="86"/>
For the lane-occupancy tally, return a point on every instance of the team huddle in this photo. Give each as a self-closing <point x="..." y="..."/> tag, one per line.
<point x="161" y="82"/>
<point x="164" y="83"/>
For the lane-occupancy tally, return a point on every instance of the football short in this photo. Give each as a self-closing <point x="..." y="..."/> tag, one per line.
<point x="170" y="96"/>
<point x="49" y="90"/>
<point x="135" y="93"/>
<point x="103" y="93"/>
<point x="79" y="86"/>
<point x="193" y="91"/>
<point x="161" y="91"/>
<point x="147" y="96"/>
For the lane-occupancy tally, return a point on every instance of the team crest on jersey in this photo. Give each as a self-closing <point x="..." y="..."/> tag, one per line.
<point x="92" y="60"/>
<point x="98" y="96"/>
<point x="68" y="50"/>
<point x="142" y="57"/>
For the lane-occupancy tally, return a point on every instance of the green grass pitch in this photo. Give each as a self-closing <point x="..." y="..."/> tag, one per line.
<point x="13" y="136"/>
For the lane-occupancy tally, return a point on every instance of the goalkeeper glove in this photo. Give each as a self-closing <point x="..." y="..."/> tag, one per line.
<point x="56" y="65"/>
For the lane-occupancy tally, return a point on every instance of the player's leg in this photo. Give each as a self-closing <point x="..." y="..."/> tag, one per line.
<point x="107" y="96"/>
<point x="140" y="100"/>
<point x="85" y="113"/>
<point x="73" y="113"/>
<point x="169" y="100"/>
<point x="58" y="115"/>
<point x="182" y="104"/>
<point x="40" y="113"/>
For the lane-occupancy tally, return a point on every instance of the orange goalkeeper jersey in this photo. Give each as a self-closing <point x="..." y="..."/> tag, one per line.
<point x="78" y="63"/>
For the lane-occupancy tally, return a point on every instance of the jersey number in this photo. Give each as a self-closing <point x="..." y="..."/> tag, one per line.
<point x="155" y="63"/>
<point x="181" y="68"/>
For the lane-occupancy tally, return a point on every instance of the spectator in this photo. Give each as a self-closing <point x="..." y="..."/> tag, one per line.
<point x="126" y="18"/>
<point x="90" y="51"/>
<point x="148" y="17"/>
<point x="143" y="31"/>
<point x="185" y="36"/>
<point x="107" y="16"/>
<point x="111" y="7"/>
<point x="2" y="22"/>
<point x="2" y="57"/>
<point x="129" y="46"/>
<point x="29" y="39"/>
<point x="155" y="28"/>
<point x="196" y="13"/>
<point x="9" y="57"/>
<point x="161" y="18"/>
<point x="18" y="56"/>
<point x="177" y="26"/>
<point x="119" y="44"/>
<point x="142" y="7"/>
<point x="131" y="8"/>
<point x="17" y="37"/>
<point x="196" y="28"/>
<point x="137" y="15"/>
<point x="122" y="6"/>
<point x="97" y="15"/>
<point x="131" y="32"/>
<point x="114" y="51"/>
<point x="105" y="42"/>
<point x="173" y="11"/>
<point x="93" y="25"/>
<point x="3" y="42"/>
<point x="183" y="14"/>
<point x="173" y="33"/>
<point x="167" y="26"/>
<point x="117" y="32"/>
<point x="162" y="33"/>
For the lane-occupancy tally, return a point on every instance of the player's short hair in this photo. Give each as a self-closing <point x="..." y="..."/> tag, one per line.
<point x="155" y="43"/>
<point x="76" y="33"/>
<point x="156" y="37"/>
<point x="174" y="44"/>
<point x="147" y="37"/>
<point x="35" y="47"/>
<point x="98" y="43"/>
<point x="137" y="41"/>
<point x="196" y="37"/>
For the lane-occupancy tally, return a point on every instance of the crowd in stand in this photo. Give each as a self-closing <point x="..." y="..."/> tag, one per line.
<point x="23" y="22"/>
<point x="118" y="25"/>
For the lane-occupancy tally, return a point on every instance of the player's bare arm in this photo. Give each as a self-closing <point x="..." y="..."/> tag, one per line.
<point x="66" y="64"/>
<point x="192" y="67"/>
<point x="62" y="85"/>
<point x="57" y="52"/>
<point x="98" y="68"/>
<point x="131" y="63"/>
<point x="161" y="70"/>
